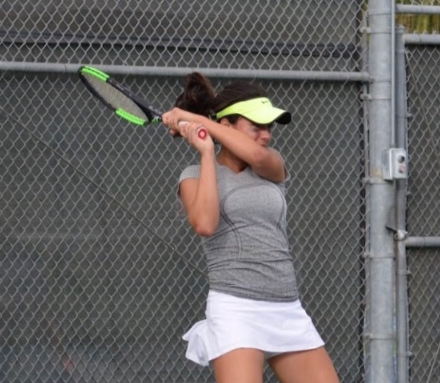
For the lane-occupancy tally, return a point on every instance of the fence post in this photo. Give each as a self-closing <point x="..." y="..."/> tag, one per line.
<point x="401" y="234"/>
<point x="381" y="257"/>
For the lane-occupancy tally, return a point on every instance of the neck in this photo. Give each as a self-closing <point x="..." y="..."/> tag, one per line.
<point x="231" y="161"/>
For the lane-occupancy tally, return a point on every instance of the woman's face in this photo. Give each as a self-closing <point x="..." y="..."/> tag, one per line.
<point x="259" y="133"/>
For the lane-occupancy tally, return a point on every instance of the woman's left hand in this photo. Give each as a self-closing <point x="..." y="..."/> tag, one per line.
<point x="175" y="118"/>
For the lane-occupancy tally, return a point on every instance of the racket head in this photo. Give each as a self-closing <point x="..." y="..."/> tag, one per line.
<point x="117" y="97"/>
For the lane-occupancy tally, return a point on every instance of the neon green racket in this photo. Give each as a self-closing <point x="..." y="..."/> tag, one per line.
<point x="121" y="100"/>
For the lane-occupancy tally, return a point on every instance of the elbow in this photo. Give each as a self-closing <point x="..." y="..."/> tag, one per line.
<point x="204" y="222"/>
<point x="205" y="230"/>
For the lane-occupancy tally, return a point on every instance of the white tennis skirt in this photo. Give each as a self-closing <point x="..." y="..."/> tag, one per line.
<point x="232" y="322"/>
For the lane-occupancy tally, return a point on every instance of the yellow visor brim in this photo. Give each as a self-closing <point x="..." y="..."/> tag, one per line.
<point x="259" y="110"/>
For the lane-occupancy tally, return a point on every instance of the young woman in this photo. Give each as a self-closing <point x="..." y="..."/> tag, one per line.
<point x="235" y="200"/>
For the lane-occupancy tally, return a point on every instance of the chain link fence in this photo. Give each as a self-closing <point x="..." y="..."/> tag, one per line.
<point x="100" y="274"/>
<point x="424" y="210"/>
<point x="301" y="35"/>
<point x="84" y="281"/>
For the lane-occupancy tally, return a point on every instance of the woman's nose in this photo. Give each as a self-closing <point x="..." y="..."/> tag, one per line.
<point x="265" y="134"/>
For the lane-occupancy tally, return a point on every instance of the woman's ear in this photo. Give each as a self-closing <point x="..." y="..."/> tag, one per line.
<point x="225" y="122"/>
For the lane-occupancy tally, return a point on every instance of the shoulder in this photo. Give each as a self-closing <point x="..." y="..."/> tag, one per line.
<point x="192" y="171"/>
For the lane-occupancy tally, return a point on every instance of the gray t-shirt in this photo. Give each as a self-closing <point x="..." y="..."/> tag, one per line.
<point x="248" y="256"/>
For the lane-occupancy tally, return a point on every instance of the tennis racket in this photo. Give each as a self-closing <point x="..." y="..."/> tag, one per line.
<point x="121" y="100"/>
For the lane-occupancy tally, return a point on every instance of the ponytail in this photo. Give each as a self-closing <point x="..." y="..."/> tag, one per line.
<point x="197" y="95"/>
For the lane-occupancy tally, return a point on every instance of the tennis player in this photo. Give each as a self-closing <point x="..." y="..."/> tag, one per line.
<point x="235" y="200"/>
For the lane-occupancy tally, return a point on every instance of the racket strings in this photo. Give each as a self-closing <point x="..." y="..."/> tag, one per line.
<point x="114" y="97"/>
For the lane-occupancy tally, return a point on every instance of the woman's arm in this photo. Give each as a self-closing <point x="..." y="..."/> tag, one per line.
<point x="266" y="162"/>
<point x="200" y="196"/>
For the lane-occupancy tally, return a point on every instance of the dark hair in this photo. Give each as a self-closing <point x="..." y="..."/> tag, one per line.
<point x="199" y="96"/>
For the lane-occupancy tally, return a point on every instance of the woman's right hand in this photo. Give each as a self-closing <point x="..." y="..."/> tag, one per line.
<point x="190" y="132"/>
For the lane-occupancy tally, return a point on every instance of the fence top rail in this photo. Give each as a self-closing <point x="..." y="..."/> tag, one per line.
<point x="422" y="242"/>
<point x="177" y="72"/>
<point x="421" y="39"/>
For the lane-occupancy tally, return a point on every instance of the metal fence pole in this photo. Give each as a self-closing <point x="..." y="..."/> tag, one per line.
<point x="180" y="72"/>
<point x="381" y="255"/>
<point x="400" y="216"/>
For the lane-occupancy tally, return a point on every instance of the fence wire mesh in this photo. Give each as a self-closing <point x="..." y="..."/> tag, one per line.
<point x="90" y="293"/>
<point x="100" y="274"/>
<point x="308" y="35"/>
